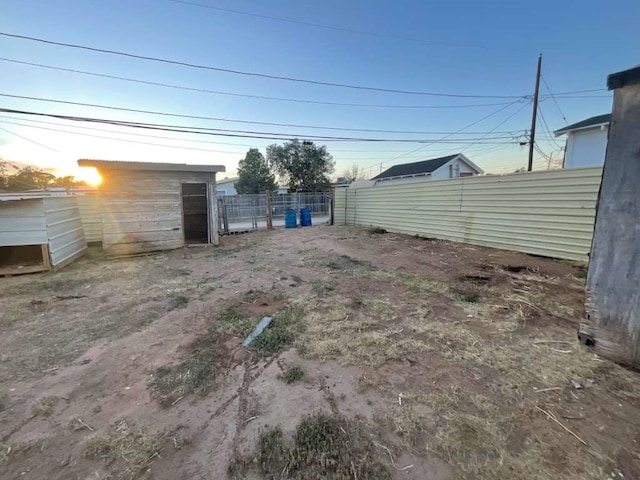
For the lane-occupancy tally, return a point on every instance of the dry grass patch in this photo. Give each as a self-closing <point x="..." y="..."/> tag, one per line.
<point x="322" y="447"/>
<point x="127" y="450"/>
<point x="292" y="375"/>
<point x="44" y="406"/>
<point x="355" y="337"/>
<point x="14" y="451"/>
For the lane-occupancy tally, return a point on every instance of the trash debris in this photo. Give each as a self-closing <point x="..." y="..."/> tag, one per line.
<point x="576" y="385"/>
<point x="262" y="324"/>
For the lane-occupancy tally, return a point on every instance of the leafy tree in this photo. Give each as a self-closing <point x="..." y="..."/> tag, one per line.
<point x="304" y="165"/>
<point x="29" y="178"/>
<point x="254" y="175"/>
<point x="67" y="181"/>
<point x="353" y="173"/>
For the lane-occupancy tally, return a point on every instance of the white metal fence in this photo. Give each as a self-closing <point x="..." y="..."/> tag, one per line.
<point x="548" y="213"/>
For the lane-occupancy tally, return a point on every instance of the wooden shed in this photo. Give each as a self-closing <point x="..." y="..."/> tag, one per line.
<point x="39" y="233"/>
<point x="612" y="325"/>
<point x="147" y="207"/>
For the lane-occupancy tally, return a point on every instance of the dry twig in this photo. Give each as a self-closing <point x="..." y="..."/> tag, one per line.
<point x="551" y="416"/>
<point x="392" y="460"/>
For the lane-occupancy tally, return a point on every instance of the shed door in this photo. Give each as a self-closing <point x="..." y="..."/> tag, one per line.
<point x="195" y="212"/>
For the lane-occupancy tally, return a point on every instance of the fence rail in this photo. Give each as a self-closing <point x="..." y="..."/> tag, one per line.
<point x="250" y="212"/>
<point x="548" y="213"/>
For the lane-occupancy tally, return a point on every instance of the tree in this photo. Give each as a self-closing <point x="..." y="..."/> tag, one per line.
<point x="67" y="181"/>
<point x="29" y="178"/>
<point x="254" y="175"/>
<point x="305" y="166"/>
<point x="353" y="173"/>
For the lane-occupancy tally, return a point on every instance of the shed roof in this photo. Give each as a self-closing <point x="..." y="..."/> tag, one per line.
<point x="415" y="168"/>
<point x="624" y="78"/>
<point x="590" y="122"/>
<point x="150" y="166"/>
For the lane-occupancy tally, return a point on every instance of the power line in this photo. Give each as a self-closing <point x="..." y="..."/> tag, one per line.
<point x="234" y="133"/>
<point x="29" y="140"/>
<point x="197" y="117"/>
<point x="244" y="95"/>
<point x="446" y="136"/>
<point x="328" y="27"/>
<point x="112" y="131"/>
<point x="547" y="130"/>
<point x="554" y="100"/>
<point x="251" y="74"/>
<point x="497" y="126"/>
<point x="318" y="127"/>
<point x="123" y="139"/>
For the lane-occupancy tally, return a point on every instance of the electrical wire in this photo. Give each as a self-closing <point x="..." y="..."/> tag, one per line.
<point x="328" y="27"/>
<point x="109" y="107"/>
<point x="29" y="140"/>
<point x="250" y="74"/>
<point x="232" y="133"/>
<point x="554" y="99"/>
<point x="446" y="136"/>
<point x="547" y="131"/>
<point x="244" y="95"/>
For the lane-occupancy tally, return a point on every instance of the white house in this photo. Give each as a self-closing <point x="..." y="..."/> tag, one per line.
<point x="586" y="142"/>
<point x="451" y="166"/>
<point x="227" y="186"/>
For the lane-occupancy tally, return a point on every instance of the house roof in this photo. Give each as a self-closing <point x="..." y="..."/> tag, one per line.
<point x="149" y="166"/>
<point x="590" y="122"/>
<point x="415" y="168"/>
<point x="227" y="180"/>
<point x="624" y="78"/>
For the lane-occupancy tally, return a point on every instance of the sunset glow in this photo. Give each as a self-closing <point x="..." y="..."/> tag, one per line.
<point x="89" y="175"/>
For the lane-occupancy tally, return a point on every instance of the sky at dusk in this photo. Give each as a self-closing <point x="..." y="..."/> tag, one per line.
<point x="481" y="55"/>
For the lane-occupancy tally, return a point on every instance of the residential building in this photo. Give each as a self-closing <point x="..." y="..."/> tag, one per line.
<point x="226" y="186"/>
<point x="451" y="166"/>
<point x="586" y="142"/>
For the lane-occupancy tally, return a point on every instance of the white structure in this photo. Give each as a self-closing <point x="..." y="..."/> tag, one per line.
<point x="39" y="233"/>
<point x="226" y="186"/>
<point x="451" y="166"/>
<point x="586" y="142"/>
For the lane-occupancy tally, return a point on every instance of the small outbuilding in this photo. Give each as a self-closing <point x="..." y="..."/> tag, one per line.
<point x="39" y="233"/>
<point x="147" y="207"/>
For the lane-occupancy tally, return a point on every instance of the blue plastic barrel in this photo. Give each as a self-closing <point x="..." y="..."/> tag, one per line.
<point x="290" y="220"/>
<point x="305" y="217"/>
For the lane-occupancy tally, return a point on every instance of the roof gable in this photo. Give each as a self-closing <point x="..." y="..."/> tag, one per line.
<point x="587" y="123"/>
<point x="415" y="168"/>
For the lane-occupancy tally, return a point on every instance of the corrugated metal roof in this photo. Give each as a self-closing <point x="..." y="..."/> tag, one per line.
<point x="590" y="122"/>
<point x="150" y="166"/>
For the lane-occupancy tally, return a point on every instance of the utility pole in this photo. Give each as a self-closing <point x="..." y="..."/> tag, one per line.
<point x="532" y="140"/>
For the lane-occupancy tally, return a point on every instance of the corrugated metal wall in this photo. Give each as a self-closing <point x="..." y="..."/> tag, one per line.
<point x="548" y="213"/>
<point x="90" y="214"/>
<point x="22" y="223"/>
<point x="64" y="229"/>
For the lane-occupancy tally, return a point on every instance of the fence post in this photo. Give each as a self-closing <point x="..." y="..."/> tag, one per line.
<point x="269" y="219"/>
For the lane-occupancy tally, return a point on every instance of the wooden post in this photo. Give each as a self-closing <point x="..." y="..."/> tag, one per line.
<point x="269" y="219"/>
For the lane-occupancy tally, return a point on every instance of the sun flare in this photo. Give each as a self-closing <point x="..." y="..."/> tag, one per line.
<point x="89" y="175"/>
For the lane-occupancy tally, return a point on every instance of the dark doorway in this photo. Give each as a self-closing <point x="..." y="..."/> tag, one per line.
<point x="195" y="212"/>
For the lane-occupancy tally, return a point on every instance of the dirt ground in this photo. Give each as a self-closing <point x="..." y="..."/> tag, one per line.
<point x="451" y="361"/>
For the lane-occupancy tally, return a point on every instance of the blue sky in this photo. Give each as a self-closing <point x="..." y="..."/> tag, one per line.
<point x="466" y="48"/>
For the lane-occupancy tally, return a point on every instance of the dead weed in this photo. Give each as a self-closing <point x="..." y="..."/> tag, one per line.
<point x="127" y="450"/>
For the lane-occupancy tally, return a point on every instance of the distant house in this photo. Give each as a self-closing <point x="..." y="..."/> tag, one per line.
<point x="586" y="142"/>
<point x="227" y="186"/>
<point x="451" y="166"/>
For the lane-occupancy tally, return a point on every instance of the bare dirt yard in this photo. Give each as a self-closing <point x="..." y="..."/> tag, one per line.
<point x="388" y="357"/>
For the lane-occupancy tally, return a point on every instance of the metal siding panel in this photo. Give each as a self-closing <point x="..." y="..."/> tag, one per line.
<point x="64" y="230"/>
<point x="90" y="213"/>
<point x="548" y="213"/>
<point x="22" y="223"/>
